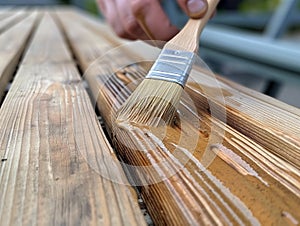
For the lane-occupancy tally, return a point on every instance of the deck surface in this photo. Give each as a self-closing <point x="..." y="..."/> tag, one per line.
<point x="232" y="155"/>
<point x="49" y="134"/>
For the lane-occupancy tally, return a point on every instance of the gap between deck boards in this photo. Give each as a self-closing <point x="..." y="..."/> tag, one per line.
<point x="141" y="202"/>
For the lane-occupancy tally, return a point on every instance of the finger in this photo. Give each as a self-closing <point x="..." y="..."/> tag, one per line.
<point x="130" y="25"/>
<point x="101" y="6"/>
<point x="193" y="8"/>
<point x="112" y="17"/>
<point x="151" y="16"/>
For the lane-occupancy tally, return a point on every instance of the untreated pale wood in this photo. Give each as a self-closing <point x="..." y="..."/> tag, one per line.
<point x="15" y="17"/>
<point x="56" y="161"/>
<point x="12" y="44"/>
<point x="253" y="176"/>
<point x="4" y="12"/>
<point x="93" y="24"/>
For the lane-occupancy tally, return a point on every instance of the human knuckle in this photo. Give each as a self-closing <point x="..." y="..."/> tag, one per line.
<point x="120" y="32"/>
<point x="131" y="26"/>
<point x="115" y="25"/>
<point x="139" y="6"/>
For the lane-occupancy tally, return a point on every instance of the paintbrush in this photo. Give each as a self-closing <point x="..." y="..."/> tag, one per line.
<point x="155" y="100"/>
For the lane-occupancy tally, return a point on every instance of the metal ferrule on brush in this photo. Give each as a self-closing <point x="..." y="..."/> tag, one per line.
<point x="172" y="66"/>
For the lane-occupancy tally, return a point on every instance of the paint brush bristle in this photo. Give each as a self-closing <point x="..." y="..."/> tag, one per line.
<point x="156" y="99"/>
<point x="153" y="103"/>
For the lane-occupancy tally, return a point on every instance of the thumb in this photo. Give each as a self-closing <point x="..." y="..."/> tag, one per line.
<point x="193" y="8"/>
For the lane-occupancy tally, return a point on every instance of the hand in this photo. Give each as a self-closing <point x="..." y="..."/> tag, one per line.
<point x="145" y="19"/>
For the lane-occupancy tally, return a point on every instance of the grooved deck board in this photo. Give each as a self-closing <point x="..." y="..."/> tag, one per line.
<point x="278" y="132"/>
<point x="12" y="44"/>
<point x="254" y="175"/>
<point x="269" y="122"/>
<point x="232" y="155"/>
<point x="8" y="22"/>
<point x="49" y="136"/>
<point x="4" y="12"/>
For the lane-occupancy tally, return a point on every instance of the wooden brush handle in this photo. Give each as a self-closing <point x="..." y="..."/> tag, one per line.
<point x="188" y="38"/>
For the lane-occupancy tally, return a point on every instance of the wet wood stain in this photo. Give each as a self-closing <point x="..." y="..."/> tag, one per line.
<point x="211" y="172"/>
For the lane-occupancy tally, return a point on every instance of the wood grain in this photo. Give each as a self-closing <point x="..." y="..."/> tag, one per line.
<point x="12" y="44"/>
<point x="49" y="136"/>
<point x="269" y="122"/>
<point x="251" y="179"/>
<point x="15" y="17"/>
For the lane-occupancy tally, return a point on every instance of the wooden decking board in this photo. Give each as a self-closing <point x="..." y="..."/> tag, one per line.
<point x="8" y="22"/>
<point x="49" y="55"/>
<point x="254" y="115"/>
<point x="90" y="53"/>
<point x="93" y="25"/>
<point x="4" y="12"/>
<point x="228" y="190"/>
<point x="264" y="98"/>
<point x="49" y="134"/>
<point x="96" y="25"/>
<point x="56" y="161"/>
<point x="263" y="162"/>
<point x="12" y="45"/>
<point x="278" y="133"/>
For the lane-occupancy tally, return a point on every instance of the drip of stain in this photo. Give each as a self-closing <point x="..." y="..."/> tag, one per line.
<point x="235" y="161"/>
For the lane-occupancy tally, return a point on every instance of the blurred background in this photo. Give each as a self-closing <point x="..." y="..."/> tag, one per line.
<point x="253" y="42"/>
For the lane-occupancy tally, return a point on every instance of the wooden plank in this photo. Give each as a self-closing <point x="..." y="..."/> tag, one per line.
<point x="92" y="22"/>
<point x="283" y="129"/>
<point x="269" y="122"/>
<point x="12" y="44"/>
<point x="101" y="45"/>
<point x="264" y="98"/>
<point x="4" y="12"/>
<point x="8" y="22"/>
<point x="249" y="181"/>
<point x="49" y="136"/>
<point x="227" y="169"/>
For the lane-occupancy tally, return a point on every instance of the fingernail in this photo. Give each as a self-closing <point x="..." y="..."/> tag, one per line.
<point x="196" y="7"/>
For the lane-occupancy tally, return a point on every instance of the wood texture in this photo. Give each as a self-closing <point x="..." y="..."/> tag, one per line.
<point x="57" y="165"/>
<point x="4" y="12"/>
<point x="49" y="138"/>
<point x="254" y="176"/>
<point x="14" y="17"/>
<point x="12" y="44"/>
